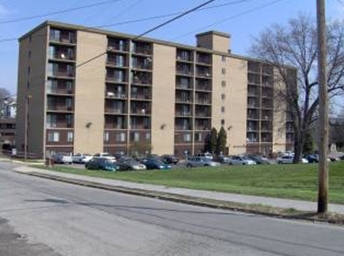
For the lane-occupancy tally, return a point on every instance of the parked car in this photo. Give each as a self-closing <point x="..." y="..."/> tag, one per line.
<point x="288" y="159"/>
<point x="105" y="155"/>
<point x="198" y="161"/>
<point x="206" y="155"/>
<point x="81" y="158"/>
<point x="241" y="160"/>
<point x="170" y="159"/>
<point x="101" y="163"/>
<point x="126" y="164"/>
<point x="312" y="158"/>
<point x="62" y="158"/>
<point x="259" y="159"/>
<point x="153" y="163"/>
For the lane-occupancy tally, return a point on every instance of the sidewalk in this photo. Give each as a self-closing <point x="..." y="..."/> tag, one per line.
<point x="169" y="192"/>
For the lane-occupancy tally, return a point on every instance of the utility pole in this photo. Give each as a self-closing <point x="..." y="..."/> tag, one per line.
<point x="323" y="110"/>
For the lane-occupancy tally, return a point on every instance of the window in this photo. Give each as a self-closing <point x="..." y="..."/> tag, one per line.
<point x="187" y="137"/>
<point x="148" y="136"/>
<point x="70" y="136"/>
<point x="198" y="137"/>
<point x="223" y="96"/>
<point x="223" y="71"/>
<point x="28" y="70"/>
<point x="222" y="121"/>
<point x="223" y="83"/>
<point x="106" y="137"/>
<point x="223" y="109"/>
<point x="51" y="121"/>
<point x="53" y="136"/>
<point x="135" y="136"/>
<point x="120" y="137"/>
<point x="29" y="54"/>
<point x="224" y="58"/>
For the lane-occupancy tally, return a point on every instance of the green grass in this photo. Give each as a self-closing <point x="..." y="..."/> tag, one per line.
<point x="282" y="181"/>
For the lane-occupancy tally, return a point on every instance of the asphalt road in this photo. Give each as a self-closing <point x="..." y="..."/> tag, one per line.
<point x="51" y="218"/>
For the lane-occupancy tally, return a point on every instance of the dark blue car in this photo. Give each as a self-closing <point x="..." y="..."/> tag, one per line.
<point x="101" y="164"/>
<point x="153" y="163"/>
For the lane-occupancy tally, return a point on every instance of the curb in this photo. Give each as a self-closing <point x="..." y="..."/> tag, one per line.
<point x="275" y="212"/>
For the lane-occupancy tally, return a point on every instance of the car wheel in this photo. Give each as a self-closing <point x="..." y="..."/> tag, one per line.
<point x="189" y="165"/>
<point x="279" y="162"/>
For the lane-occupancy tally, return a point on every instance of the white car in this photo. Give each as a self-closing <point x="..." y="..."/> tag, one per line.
<point x="197" y="161"/>
<point x="288" y="159"/>
<point x="81" y="158"/>
<point x="240" y="160"/>
<point x="105" y="155"/>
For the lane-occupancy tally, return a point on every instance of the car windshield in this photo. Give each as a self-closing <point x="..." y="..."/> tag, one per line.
<point x="106" y="155"/>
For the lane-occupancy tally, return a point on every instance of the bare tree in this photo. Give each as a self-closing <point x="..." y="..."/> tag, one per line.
<point x="5" y="98"/>
<point x="295" y="45"/>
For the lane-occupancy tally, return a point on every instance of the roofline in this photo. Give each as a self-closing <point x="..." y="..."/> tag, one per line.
<point x="147" y="39"/>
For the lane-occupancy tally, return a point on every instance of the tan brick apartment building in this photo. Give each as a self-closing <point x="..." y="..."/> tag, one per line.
<point x="141" y="91"/>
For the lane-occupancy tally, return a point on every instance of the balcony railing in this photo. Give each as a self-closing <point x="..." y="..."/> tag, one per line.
<point x="141" y="96"/>
<point x="58" y="107"/>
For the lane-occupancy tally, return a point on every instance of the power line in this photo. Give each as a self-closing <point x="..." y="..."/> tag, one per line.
<point x="57" y="12"/>
<point x="229" y="18"/>
<point x="153" y="29"/>
<point x="151" y="17"/>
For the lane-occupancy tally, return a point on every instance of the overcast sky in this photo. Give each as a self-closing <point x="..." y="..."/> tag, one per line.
<point x="243" y="19"/>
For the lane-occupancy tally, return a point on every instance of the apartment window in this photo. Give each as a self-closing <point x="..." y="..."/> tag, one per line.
<point x="70" y="136"/>
<point x="223" y="96"/>
<point x="187" y="137"/>
<point x="223" y="109"/>
<point x="136" y="136"/>
<point x="222" y="121"/>
<point x="106" y="137"/>
<point x="51" y="121"/>
<point x="120" y="137"/>
<point x="69" y="120"/>
<point x="28" y="70"/>
<point x="148" y="136"/>
<point x="53" y="136"/>
<point x="198" y="137"/>
<point x="224" y="58"/>
<point x="223" y="71"/>
<point x="223" y="83"/>
<point x="69" y="103"/>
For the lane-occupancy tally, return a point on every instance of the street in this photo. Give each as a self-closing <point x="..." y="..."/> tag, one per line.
<point x="51" y="218"/>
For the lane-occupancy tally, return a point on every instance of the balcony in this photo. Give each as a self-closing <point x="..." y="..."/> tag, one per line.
<point x="116" y="61"/>
<point x="62" y="36"/>
<point x="115" y="95"/>
<point x="117" y="44"/>
<point x="203" y="101"/>
<point x="59" y="108"/>
<point x="184" y="55"/>
<point x="142" y="48"/>
<point x="140" y="111"/>
<point x="140" y="96"/>
<point x="62" y="54"/>
<point x="203" y="58"/>
<point x="183" y="113"/>
<point x="115" y="111"/>
<point x="184" y="69"/>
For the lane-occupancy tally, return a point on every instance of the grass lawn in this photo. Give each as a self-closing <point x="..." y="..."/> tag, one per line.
<point x="283" y="181"/>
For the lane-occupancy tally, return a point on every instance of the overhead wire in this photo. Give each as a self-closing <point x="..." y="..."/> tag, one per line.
<point x="57" y="12"/>
<point x="152" y="29"/>
<point x="154" y="17"/>
<point x="229" y="18"/>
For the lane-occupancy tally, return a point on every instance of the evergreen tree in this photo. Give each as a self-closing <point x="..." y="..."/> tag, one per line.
<point x="213" y="140"/>
<point x="221" y="141"/>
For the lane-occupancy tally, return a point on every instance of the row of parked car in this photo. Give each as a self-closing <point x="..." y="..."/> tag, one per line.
<point x="106" y="161"/>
